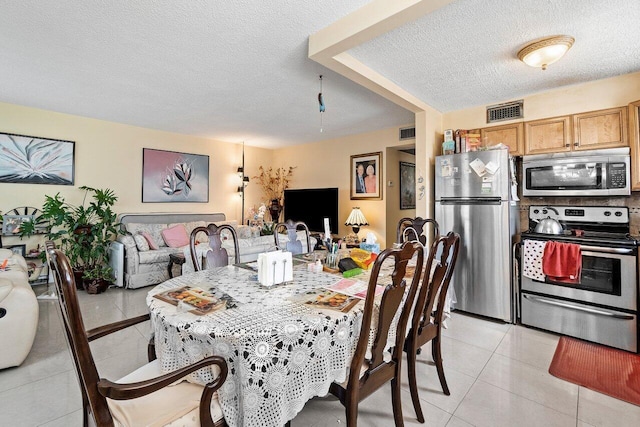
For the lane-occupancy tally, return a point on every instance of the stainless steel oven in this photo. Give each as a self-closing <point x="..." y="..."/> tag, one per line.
<point x="603" y="306"/>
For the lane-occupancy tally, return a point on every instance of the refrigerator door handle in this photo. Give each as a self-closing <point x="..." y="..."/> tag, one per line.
<point x="471" y="201"/>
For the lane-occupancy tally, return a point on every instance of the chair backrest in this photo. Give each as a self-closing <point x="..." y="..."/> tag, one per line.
<point x="413" y="229"/>
<point x="217" y="256"/>
<point x="435" y="284"/>
<point x="76" y="336"/>
<point x="395" y="293"/>
<point x="293" y="245"/>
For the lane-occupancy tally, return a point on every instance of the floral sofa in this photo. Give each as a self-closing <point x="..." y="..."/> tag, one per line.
<point x="144" y="266"/>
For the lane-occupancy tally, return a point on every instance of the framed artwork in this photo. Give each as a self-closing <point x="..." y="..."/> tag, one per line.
<point x="18" y="249"/>
<point x="169" y="177"/>
<point x="407" y="185"/>
<point x="34" y="160"/>
<point x="11" y="224"/>
<point x="366" y="176"/>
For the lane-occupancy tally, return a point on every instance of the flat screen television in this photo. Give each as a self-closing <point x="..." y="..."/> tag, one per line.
<point x="311" y="206"/>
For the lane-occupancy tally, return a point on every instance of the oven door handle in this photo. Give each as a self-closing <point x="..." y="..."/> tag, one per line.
<point x="621" y="251"/>
<point x="592" y="310"/>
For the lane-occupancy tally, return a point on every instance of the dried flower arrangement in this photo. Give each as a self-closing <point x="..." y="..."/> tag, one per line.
<point x="274" y="182"/>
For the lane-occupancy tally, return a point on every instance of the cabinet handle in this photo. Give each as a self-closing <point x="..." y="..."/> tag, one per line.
<point x="576" y="144"/>
<point x="566" y="145"/>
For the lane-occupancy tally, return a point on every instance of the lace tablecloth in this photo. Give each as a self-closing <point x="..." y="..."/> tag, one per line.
<point x="280" y="353"/>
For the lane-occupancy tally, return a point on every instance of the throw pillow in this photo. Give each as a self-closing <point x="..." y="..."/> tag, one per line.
<point x="244" y="232"/>
<point x="152" y="243"/>
<point x="175" y="236"/>
<point x="141" y="242"/>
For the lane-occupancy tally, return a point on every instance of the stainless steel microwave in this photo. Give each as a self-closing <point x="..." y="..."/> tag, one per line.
<point x="588" y="173"/>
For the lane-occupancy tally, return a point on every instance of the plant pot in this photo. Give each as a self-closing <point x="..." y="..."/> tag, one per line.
<point x="96" y="286"/>
<point x="77" y="274"/>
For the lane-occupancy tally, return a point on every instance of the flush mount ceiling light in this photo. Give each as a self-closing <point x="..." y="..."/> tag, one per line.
<point x="546" y="51"/>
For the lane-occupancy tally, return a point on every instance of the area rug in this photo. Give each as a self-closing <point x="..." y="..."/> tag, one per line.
<point x="606" y="370"/>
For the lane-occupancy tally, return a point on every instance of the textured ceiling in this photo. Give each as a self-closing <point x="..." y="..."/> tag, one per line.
<point x="465" y="54"/>
<point x="238" y="70"/>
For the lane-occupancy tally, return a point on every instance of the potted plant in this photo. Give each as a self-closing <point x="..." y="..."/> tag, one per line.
<point x="273" y="183"/>
<point x="82" y="232"/>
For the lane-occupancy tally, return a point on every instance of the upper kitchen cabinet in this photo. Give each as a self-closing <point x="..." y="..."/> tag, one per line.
<point x="547" y="135"/>
<point x="634" y="134"/>
<point x="511" y="135"/>
<point x="600" y="129"/>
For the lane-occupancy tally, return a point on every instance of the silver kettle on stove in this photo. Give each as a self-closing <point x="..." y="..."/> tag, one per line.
<point x="549" y="225"/>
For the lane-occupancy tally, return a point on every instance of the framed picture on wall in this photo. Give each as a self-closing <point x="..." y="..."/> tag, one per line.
<point x="34" y="160"/>
<point x="407" y="185"/>
<point x="17" y="249"/>
<point x="366" y="176"/>
<point x="173" y="177"/>
<point x="11" y="224"/>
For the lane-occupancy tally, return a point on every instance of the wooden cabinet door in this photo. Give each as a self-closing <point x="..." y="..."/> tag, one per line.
<point x="600" y="129"/>
<point x="511" y="135"/>
<point x="634" y="141"/>
<point x="547" y="135"/>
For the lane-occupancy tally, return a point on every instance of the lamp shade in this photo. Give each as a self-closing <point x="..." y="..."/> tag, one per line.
<point x="546" y="51"/>
<point x="356" y="218"/>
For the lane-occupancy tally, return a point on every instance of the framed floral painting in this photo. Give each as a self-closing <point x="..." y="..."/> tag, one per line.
<point x="34" y="160"/>
<point x="170" y="177"/>
<point x="366" y="176"/>
<point x="407" y="185"/>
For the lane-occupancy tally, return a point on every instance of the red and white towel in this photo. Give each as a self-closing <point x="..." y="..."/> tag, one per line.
<point x="532" y="259"/>
<point x="562" y="262"/>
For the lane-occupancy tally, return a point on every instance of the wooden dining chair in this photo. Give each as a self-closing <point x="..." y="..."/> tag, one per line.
<point x="413" y="229"/>
<point x="143" y="397"/>
<point x="426" y="325"/>
<point x="294" y="245"/>
<point x="217" y="256"/>
<point x="368" y="375"/>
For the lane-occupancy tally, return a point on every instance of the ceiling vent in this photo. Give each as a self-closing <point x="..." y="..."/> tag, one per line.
<point x="407" y="133"/>
<point x="508" y="111"/>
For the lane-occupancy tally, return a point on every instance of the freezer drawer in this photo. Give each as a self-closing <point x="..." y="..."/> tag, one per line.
<point x="482" y="276"/>
<point x="604" y="326"/>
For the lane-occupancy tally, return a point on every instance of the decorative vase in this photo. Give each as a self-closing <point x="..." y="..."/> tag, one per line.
<point x="274" y="209"/>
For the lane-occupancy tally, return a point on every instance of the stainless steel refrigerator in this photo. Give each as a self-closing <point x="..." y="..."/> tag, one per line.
<point x="473" y="198"/>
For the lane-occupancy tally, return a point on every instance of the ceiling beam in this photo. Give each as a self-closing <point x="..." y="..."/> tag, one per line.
<point x="328" y="46"/>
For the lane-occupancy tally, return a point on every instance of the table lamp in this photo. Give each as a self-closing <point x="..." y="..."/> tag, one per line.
<point x="355" y="220"/>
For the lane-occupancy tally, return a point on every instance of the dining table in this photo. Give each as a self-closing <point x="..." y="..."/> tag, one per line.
<point x="280" y="351"/>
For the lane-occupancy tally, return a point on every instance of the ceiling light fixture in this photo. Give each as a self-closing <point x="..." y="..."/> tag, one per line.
<point x="544" y="52"/>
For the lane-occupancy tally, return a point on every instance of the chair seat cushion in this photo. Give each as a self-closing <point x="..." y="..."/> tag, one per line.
<point x="164" y="406"/>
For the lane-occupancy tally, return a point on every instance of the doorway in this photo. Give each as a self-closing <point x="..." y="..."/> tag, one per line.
<point x="399" y="203"/>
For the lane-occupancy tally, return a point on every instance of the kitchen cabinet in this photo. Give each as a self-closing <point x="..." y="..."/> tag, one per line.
<point x="585" y="131"/>
<point x="511" y="135"/>
<point x="634" y="138"/>
<point x="547" y="135"/>
<point x="600" y="129"/>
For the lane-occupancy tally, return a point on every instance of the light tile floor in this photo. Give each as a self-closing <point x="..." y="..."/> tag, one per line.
<point x="497" y="374"/>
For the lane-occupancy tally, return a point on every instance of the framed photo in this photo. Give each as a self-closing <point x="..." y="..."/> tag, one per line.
<point x="170" y="177"/>
<point x="34" y="160"/>
<point x="407" y="185"/>
<point x="12" y="224"/>
<point x="366" y="176"/>
<point x="18" y="249"/>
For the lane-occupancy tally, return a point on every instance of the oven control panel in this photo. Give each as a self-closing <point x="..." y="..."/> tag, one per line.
<point x="592" y="214"/>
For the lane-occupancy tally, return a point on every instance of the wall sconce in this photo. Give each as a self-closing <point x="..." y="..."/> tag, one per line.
<point x="544" y="52"/>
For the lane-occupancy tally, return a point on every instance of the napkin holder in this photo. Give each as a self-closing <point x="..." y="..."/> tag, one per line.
<point x="275" y="268"/>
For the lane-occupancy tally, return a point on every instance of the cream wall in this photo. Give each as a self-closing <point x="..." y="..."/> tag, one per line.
<point x="109" y="155"/>
<point x="328" y="164"/>
<point x="597" y="95"/>
<point x="394" y="213"/>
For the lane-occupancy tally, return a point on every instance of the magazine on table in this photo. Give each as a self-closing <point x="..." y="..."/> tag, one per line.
<point x="199" y="300"/>
<point x="324" y="298"/>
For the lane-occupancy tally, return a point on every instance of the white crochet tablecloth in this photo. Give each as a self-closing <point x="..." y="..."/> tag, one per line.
<point x="280" y="353"/>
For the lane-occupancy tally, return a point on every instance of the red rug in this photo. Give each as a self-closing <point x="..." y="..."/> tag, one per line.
<point x="606" y="370"/>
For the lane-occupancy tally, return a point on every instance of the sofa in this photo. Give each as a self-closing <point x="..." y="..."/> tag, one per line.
<point x="142" y="266"/>
<point x="18" y="310"/>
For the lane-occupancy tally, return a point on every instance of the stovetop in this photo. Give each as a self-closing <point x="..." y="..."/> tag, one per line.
<point x="591" y="225"/>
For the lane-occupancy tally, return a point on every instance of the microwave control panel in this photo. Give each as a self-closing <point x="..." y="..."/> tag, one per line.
<point x="617" y="175"/>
